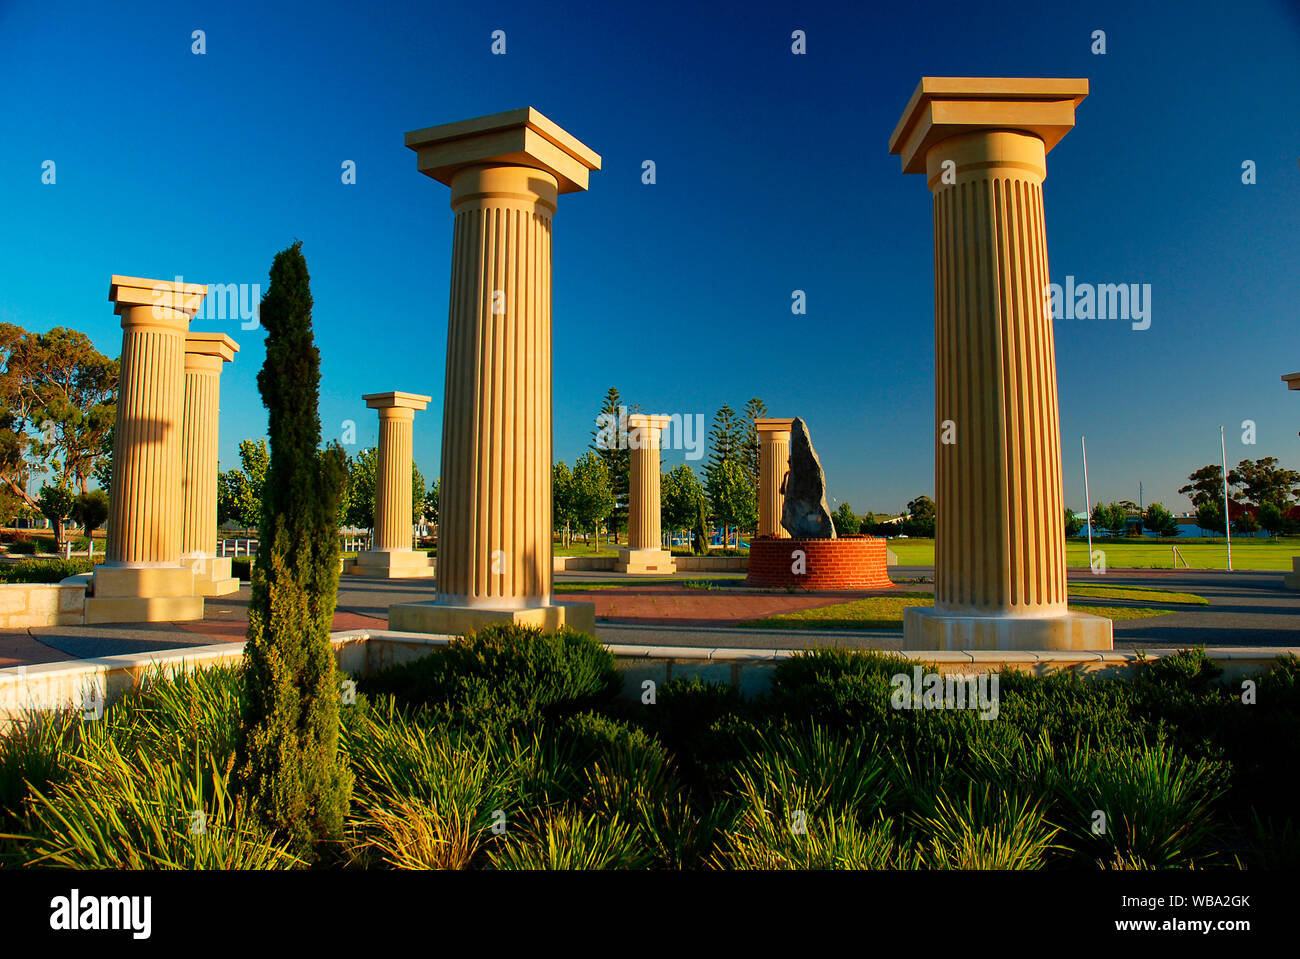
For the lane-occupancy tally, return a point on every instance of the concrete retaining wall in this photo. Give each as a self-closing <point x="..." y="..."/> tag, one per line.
<point x="80" y="684"/>
<point x="41" y="604"/>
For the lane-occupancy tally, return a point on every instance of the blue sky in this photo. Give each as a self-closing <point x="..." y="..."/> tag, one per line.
<point x="772" y="175"/>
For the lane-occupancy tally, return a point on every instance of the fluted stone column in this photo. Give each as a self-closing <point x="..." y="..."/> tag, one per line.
<point x="205" y="355"/>
<point x="392" y="556"/>
<point x="494" y="531"/>
<point x="142" y="579"/>
<point x="644" y="552"/>
<point x="773" y="463"/>
<point x="1000" y="580"/>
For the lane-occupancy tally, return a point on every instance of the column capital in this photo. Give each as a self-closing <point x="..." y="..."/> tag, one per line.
<point x="771" y="424"/>
<point x="128" y="292"/>
<point x="520" y="137"/>
<point x="654" y="421"/>
<point x="1292" y="381"/>
<point x="943" y="107"/>
<point x="211" y="344"/>
<point x="396" y="400"/>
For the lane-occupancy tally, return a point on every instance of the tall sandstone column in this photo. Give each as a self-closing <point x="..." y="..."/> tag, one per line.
<point x="773" y="463"/>
<point x="142" y="579"/>
<point x="494" y="519"/>
<point x="645" y="552"/>
<point x="205" y="356"/>
<point x="1000" y="580"/>
<point x="392" y="556"/>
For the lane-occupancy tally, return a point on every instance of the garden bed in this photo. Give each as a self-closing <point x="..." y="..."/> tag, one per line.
<point x="513" y="750"/>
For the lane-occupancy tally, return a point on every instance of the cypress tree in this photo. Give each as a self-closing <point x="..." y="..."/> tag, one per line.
<point x="701" y="545"/>
<point x="288" y="759"/>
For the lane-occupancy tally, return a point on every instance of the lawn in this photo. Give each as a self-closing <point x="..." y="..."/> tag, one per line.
<point x="886" y="612"/>
<point x="1256" y="554"/>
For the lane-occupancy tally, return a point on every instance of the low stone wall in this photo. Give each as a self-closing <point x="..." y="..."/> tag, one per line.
<point x="849" y="562"/>
<point x="711" y="564"/>
<point x="42" y="604"/>
<point x="81" y="684"/>
<point x="569" y="564"/>
<point x="690" y="564"/>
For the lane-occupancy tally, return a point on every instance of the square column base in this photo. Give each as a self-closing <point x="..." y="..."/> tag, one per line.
<point x="458" y="620"/>
<point x="153" y="594"/>
<point x="392" y="564"/>
<point x="1292" y="579"/>
<point x="924" y="628"/>
<point x="212" y="575"/>
<point x="642" y="561"/>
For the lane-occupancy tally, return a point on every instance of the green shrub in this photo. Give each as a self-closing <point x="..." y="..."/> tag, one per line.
<point x="506" y="676"/>
<point x="241" y="567"/>
<point x="25" y="546"/>
<point x="34" y="752"/>
<point x="43" y="570"/>
<point x="989" y="827"/>
<point x="571" y="839"/>
<point x="831" y="840"/>
<point x="1157" y="803"/>
<point x="148" y="811"/>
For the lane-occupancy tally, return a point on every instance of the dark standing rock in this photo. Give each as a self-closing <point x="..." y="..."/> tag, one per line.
<point x="805" y="514"/>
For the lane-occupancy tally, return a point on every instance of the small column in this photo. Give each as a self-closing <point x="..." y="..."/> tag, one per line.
<point x="773" y="463"/>
<point x="142" y="579"/>
<point x="644" y="552"/>
<point x="494" y="532"/>
<point x="1000" y="580"/>
<point x="205" y="356"/>
<point x="392" y="556"/>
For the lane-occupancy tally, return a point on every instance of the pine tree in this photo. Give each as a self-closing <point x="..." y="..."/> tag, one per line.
<point x="755" y="410"/>
<point x="288" y="758"/>
<point x="726" y="442"/>
<point x="616" y="456"/>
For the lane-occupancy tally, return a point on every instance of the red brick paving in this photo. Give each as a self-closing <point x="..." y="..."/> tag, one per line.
<point x="235" y="630"/>
<point x="19" y="649"/>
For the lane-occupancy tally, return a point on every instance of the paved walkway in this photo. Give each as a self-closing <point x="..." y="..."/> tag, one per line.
<point x="1246" y="609"/>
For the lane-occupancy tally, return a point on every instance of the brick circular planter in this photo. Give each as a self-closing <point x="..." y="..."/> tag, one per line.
<point x="850" y="562"/>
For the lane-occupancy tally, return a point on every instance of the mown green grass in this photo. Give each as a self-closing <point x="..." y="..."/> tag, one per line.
<point x="1256" y="554"/>
<point x="886" y="612"/>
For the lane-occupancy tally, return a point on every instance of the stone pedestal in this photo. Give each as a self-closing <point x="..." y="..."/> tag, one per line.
<point x="773" y="461"/>
<point x="392" y="556"/>
<point x="644" y="552"/>
<point x="494" y="533"/>
<point x="1000" y="579"/>
<point x="205" y="356"/>
<point x="142" y="579"/>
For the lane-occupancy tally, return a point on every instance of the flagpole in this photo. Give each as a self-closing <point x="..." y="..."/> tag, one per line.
<point x="1227" y="523"/>
<point x="1087" y="497"/>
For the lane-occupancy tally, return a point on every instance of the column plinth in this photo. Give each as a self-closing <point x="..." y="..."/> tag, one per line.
<point x="494" y="531"/>
<point x="1000" y="578"/>
<point x="391" y="556"/>
<point x="773" y="463"/>
<point x="644" y="552"/>
<point x="142" y="579"/>
<point x="205" y="356"/>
